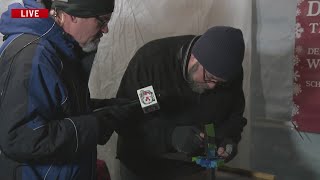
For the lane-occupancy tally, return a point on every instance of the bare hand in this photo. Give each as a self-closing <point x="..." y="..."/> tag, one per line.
<point x="222" y="152"/>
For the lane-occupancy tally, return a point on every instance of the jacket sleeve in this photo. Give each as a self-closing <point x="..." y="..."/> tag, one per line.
<point x="156" y="133"/>
<point x="233" y="126"/>
<point x="33" y="127"/>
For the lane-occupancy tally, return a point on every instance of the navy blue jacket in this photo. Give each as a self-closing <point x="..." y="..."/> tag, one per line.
<point x="45" y="129"/>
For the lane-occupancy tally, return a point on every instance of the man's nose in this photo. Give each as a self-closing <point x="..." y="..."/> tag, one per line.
<point x="212" y="85"/>
<point x="105" y="29"/>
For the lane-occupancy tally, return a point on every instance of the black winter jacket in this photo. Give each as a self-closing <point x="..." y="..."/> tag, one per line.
<point x="161" y="63"/>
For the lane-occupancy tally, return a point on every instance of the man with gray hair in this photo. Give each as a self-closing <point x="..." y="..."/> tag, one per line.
<point x="48" y="129"/>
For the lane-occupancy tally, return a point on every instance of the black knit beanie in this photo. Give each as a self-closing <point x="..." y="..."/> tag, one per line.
<point x="220" y="51"/>
<point x="84" y="8"/>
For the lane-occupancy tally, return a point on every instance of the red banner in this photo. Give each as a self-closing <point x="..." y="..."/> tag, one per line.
<point x="29" y="13"/>
<point x="306" y="91"/>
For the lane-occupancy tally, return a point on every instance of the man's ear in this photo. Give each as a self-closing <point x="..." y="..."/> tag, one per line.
<point x="62" y="18"/>
<point x="74" y="19"/>
<point x="59" y="17"/>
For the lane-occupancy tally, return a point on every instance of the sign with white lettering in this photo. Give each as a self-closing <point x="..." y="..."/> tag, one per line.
<point x="306" y="85"/>
<point x="29" y="13"/>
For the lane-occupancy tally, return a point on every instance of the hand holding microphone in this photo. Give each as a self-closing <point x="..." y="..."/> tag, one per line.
<point x="127" y="111"/>
<point x="117" y="115"/>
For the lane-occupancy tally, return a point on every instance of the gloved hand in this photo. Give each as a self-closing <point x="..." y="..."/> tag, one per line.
<point x="115" y="117"/>
<point x="227" y="149"/>
<point x="188" y="139"/>
<point x="106" y="125"/>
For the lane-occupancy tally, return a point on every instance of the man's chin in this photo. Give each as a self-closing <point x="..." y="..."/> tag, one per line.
<point x="198" y="88"/>
<point x="91" y="46"/>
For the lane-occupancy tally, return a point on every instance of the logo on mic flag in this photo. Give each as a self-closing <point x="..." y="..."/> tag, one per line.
<point x="147" y="96"/>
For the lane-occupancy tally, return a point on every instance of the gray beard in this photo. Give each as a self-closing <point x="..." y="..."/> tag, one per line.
<point x="195" y="86"/>
<point x="91" y="46"/>
<point x="198" y="87"/>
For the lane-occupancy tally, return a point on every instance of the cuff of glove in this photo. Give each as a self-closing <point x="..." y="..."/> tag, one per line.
<point x="106" y="128"/>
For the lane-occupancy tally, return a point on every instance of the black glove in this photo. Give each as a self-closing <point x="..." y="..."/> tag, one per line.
<point x="230" y="149"/>
<point x="187" y="139"/>
<point x="106" y="125"/>
<point x="116" y="117"/>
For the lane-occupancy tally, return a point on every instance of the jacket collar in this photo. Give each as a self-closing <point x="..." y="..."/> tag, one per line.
<point x="184" y="56"/>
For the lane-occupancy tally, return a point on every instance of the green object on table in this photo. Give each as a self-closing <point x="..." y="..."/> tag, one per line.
<point x="210" y="160"/>
<point x="209" y="128"/>
<point x="210" y="138"/>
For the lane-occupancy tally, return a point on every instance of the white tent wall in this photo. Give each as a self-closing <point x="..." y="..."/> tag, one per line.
<point x="275" y="147"/>
<point x="135" y="23"/>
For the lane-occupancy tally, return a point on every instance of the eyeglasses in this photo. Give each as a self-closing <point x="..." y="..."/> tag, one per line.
<point x="208" y="78"/>
<point x="103" y="20"/>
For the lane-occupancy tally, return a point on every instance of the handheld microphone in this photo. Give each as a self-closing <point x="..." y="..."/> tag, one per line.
<point x="148" y="100"/>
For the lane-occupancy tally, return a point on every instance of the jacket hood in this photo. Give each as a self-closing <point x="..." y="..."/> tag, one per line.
<point x="45" y="27"/>
<point x="184" y="56"/>
<point x="9" y="26"/>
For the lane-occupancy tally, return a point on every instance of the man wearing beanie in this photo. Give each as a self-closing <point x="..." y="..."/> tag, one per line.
<point x="48" y="129"/>
<point x="199" y="81"/>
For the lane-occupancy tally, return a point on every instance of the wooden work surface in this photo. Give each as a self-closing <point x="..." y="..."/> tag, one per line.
<point x="230" y="176"/>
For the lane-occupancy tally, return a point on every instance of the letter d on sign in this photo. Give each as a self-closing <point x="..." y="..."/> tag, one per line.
<point x="310" y="9"/>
